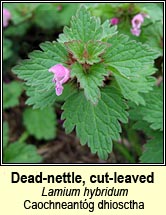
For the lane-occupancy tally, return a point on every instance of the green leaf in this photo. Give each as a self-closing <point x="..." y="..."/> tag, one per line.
<point x="11" y="94"/>
<point x="76" y="48"/>
<point x="153" y="36"/>
<point x="128" y="56"/>
<point x="40" y="123"/>
<point x="5" y="134"/>
<point x="133" y="88"/>
<point x="83" y="27"/>
<point x="149" y="118"/>
<point x="95" y="51"/>
<point x="18" y="152"/>
<point x="69" y="89"/>
<point x="89" y="53"/>
<point x="108" y="31"/>
<point x="152" y="112"/>
<point x="7" y="51"/>
<point x="153" y="150"/>
<point x="90" y="80"/>
<point x="17" y="30"/>
<point x="96" y="125"/>
<point x="35" y="72"/>
<point x="40" y="99"/>
<point x="141" y="125"/>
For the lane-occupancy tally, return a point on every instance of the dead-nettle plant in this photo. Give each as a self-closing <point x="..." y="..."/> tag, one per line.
<point x="96" y="72"/>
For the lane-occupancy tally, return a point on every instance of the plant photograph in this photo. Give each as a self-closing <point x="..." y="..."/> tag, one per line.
<point x="82" y="83"/>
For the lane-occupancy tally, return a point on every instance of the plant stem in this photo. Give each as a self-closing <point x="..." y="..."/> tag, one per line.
<point x="23" y="137"/>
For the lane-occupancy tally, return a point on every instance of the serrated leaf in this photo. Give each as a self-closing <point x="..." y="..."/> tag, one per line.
<point x="35" y="72"/>
<point x="134" y="87"/>
<point x="153" y="150"/>
<point x="128" y="56"/>
<point x="41" y="100"/>
<point x="90" y="80"/>
<point x="69" y="89"/>
<point x="95" y="51"/>
<point x="96" y="125"/>
<point x="144" y="116"/>
<point x="84" y="27"/>
<point x="40" y="123"/>
<point x="89" y="53"/>
<point x="76" y="48"/>
<point x="5" y="134"/>
<point x="152" y="112"/>
<point x="108" y="31"/>
<point x="153" y="36"/>
<point x="11" y="94"/>
<point x="18" y="152"/>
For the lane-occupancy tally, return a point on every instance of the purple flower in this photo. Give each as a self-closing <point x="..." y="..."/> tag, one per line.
<point x="114" y="21"/>
<point x="137" y="22"/>
<point x="61" y="76"/>
<point x="6" y="17"/>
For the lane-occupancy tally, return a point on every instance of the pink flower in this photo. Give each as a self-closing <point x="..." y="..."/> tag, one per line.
<point x="6" y="17"/>
<point x="114" y="21"/>
<point x="137" y="22"/>
<point x="61" y="76"/>
<point x="136" y="31"/>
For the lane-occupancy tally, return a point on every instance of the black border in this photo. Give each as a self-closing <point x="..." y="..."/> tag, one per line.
<point x="84" y="164"/>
